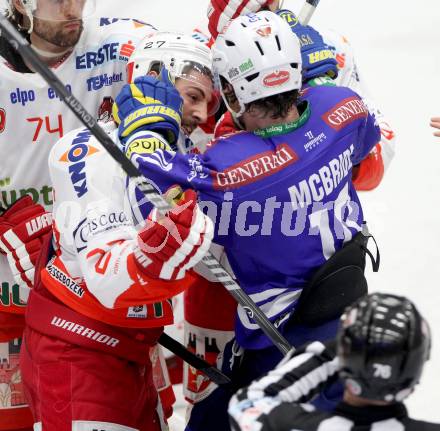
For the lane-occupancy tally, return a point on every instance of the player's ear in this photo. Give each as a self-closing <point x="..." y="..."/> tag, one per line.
<point x="19" y="6"/>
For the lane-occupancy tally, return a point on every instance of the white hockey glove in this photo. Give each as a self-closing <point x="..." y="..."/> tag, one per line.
<point x="220" y="12"/>
<point x="171" y="245"/>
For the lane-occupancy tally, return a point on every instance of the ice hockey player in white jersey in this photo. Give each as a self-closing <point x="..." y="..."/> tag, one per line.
<point x="89" y="55"/>
<point x="102" y="299"/>
<point x="193" y="80"/>
<point x="380" y="351"/>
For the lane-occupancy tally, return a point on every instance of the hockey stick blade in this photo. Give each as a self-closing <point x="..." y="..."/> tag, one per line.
<point x="190" y="358"/>
<point x="22" y="46"/>
<point x="307" y="11"/>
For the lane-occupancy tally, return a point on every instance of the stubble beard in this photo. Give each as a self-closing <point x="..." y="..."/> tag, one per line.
<point x="56" y="34"/>
<point x="188" y="124"/>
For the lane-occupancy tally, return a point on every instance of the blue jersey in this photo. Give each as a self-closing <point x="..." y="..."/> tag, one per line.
<point x="281" y="198"/>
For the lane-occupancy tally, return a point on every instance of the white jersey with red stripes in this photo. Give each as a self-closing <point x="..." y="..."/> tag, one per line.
<point x="33" y="117"/>
<point x="94" y="270"/>
<point x="32" y="120"/>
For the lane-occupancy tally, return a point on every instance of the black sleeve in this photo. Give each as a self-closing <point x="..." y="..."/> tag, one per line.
<point x="12" y="56"/>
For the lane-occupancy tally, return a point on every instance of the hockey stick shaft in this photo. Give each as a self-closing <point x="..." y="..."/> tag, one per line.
<point x="307" y="11"/>
<point x="22" y="46"/>
<point x="179" y="350"/>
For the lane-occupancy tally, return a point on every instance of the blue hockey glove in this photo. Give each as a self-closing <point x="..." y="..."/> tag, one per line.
<point x="318" y="57"/>
<point x="149" y="104"/>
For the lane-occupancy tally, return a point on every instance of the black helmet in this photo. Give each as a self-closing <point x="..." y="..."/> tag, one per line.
<point x="383" y="343"/>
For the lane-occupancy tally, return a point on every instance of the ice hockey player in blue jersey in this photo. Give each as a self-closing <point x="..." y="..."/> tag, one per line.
<point x="328" y="60"/>
<point x="382" y="346"/>
<point x="279" y="192"/>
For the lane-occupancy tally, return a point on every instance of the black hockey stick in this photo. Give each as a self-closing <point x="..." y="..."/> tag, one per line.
<point x="22" y="46"/>
<point x="179" y="350"/>
<point x="307" y="11"/>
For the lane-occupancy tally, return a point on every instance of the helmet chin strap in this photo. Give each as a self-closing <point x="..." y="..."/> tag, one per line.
<point x="236" y="117"/>
<point x="47" y="54"/>
<point x="31" y="21"/>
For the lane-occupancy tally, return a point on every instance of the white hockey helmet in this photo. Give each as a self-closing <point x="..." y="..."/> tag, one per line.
<point x="180" y="54"/>
<point x="53" y="9"/>
<point x="260" y="56"/>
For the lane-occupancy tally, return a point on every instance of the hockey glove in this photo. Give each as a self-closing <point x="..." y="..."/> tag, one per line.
<point x="23" y="227"/>
<point x="173" y="244"/>
<point x="369" y="173"/>
<point x="220" y="12"/>
<point x="319" y="59"/>
<point x="226" y="126"/>
<point x="149" y="104"/>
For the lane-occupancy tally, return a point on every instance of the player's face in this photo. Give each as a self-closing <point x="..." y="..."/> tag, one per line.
<point x="59" y="22"/>
<point x="256" y="119"/>
<point x="197" y="95"/>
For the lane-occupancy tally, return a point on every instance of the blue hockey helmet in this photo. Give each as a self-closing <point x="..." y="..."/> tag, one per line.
<point x="318" y="58"/>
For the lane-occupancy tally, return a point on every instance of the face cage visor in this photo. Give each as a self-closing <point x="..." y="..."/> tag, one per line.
<point x="199" y="78"/>
<point x="60" y="10"/>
